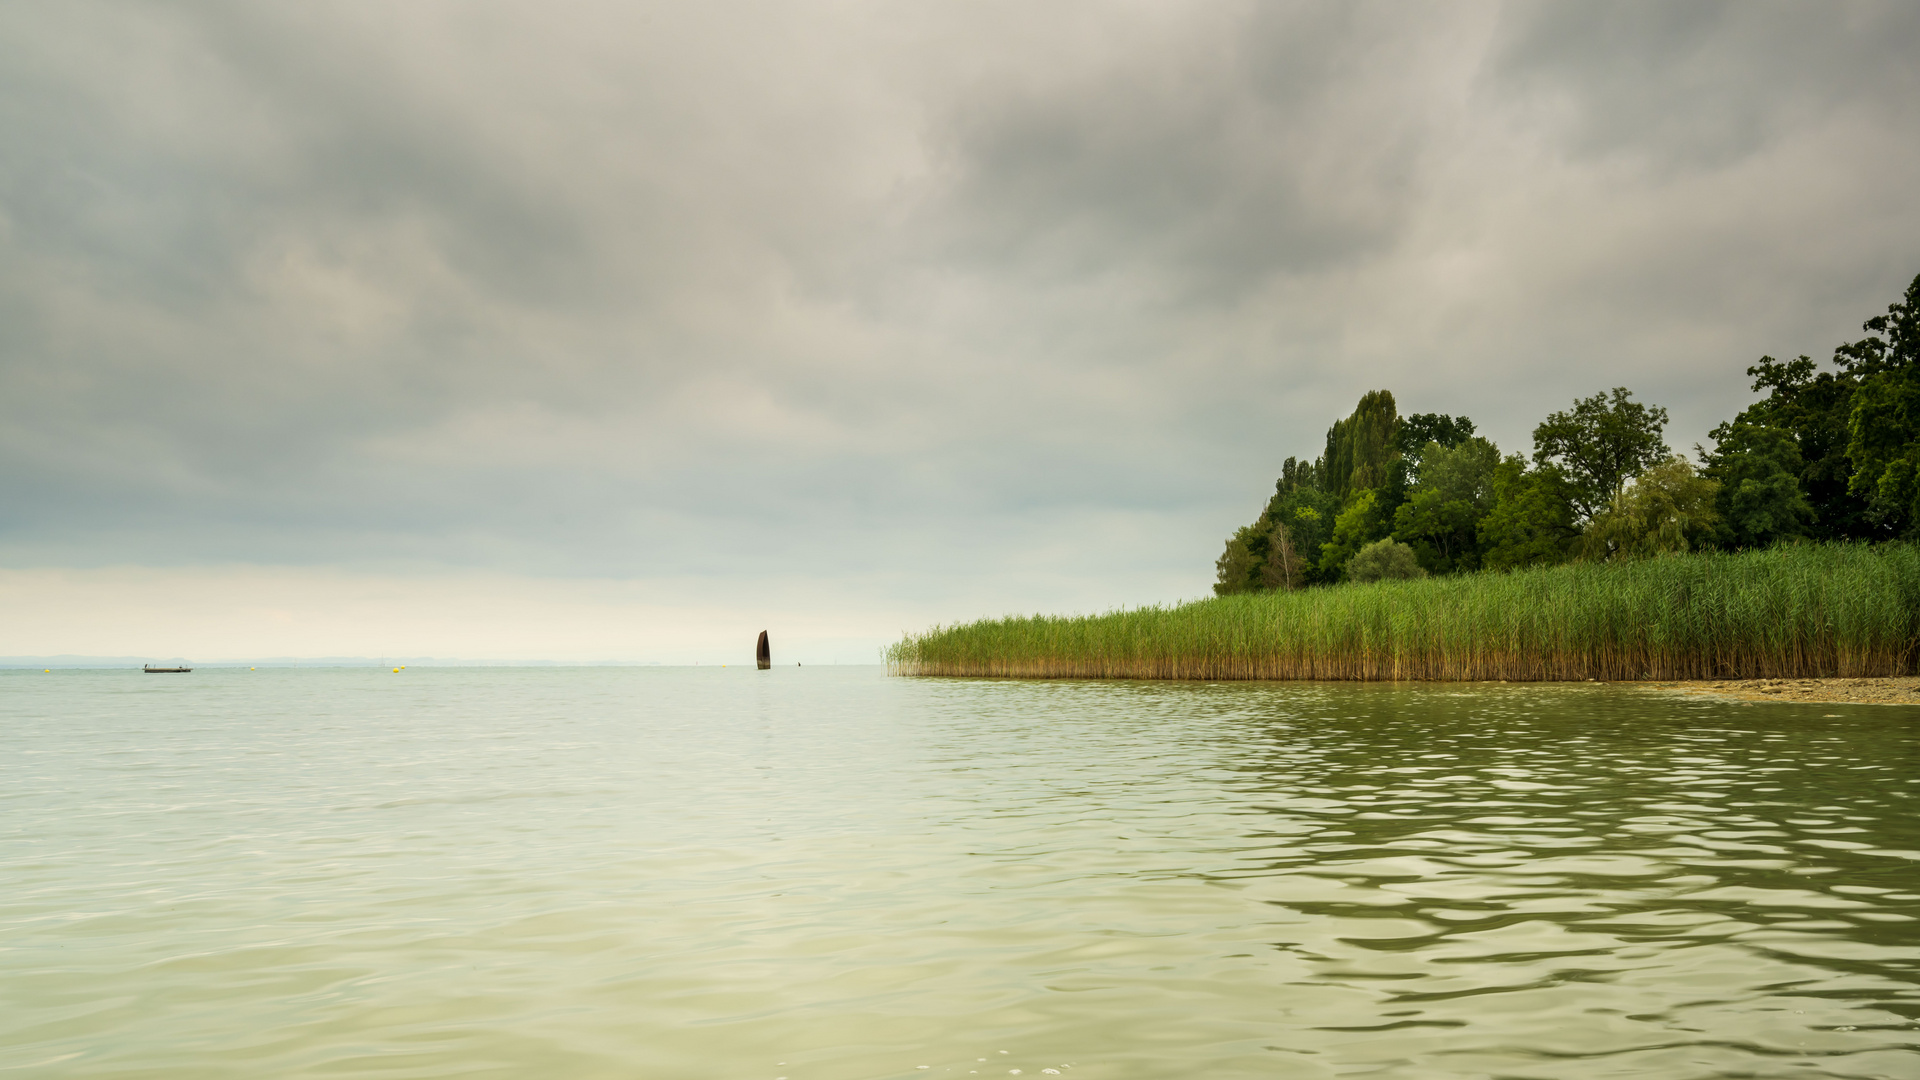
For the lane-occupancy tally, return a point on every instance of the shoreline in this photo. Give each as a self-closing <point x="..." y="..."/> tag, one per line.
<point x="1793" y="612"/>
<point x="1855" y="690"/>
<point x="1883" y="690"/>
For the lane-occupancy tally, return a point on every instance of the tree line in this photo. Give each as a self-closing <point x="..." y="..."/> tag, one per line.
<point x="1825" y="455"/>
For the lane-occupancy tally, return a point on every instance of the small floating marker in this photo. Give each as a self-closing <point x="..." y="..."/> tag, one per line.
<point x="396" y="671"/>
<point x="762" y="654"/>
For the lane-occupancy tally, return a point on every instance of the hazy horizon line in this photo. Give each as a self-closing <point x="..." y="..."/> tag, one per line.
<point x="82" y="662"/>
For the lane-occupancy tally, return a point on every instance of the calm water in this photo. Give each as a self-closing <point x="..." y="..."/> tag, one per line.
<point x="824" y="873"/>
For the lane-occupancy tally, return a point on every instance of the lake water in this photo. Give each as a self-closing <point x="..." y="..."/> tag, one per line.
<point x="824" y="873"/>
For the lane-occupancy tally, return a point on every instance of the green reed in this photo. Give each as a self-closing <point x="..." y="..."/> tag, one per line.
<point x="1793" y="611"/>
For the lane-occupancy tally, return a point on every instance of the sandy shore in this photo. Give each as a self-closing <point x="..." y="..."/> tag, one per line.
<point x="1904" y="690"/>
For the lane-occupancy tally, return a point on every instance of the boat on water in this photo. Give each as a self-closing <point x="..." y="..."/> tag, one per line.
<point x="151" y="670"/>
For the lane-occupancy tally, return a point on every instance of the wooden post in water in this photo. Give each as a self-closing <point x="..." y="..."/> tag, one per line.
<point x="761" y="654"/>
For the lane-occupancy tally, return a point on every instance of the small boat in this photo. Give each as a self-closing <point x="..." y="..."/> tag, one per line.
<point x="151" y="670"/>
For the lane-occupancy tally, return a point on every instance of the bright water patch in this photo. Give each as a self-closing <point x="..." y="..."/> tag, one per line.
<point x="824" y="873"/>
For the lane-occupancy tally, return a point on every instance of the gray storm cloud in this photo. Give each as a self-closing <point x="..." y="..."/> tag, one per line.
<point x="945" y="293"/>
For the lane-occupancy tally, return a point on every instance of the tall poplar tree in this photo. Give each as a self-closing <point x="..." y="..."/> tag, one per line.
<point x="1360" y="447"/>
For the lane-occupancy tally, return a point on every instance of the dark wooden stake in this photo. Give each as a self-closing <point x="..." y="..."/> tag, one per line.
<point x="762" y="654"/>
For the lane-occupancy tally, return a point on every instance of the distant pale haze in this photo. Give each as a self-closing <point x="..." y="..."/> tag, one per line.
<point x="622" y="332"/>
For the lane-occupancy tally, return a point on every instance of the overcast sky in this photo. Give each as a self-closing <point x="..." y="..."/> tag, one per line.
<point x="429" y="328"/>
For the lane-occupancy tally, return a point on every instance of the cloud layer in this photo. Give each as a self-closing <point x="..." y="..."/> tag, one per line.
<point x="990" y="305"/>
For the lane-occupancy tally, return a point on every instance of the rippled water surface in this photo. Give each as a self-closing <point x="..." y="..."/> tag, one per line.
<point x="825" y="873"/>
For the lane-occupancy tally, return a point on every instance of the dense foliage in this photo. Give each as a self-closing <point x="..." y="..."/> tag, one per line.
<point x="1794" y="610"/>
<point x="1826" y="455"/>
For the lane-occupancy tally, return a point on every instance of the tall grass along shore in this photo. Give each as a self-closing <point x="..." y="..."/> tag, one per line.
<point x="1796" y="611"/>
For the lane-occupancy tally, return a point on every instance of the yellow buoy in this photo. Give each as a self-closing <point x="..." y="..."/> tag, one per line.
<point x="396" y="671"/>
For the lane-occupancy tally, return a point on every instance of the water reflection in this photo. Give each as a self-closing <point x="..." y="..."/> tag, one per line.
<point x="1614" y="874"/>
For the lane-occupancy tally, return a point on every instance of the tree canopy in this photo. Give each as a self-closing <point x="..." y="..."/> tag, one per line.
<point x="1668" y="508"/>
<point x="1883" y="432"/>
<point x="1600" y="444"/>
<point x="1758" y="470"/>
<point x="1824" y="455"/>
<point x="1360" y="446"/>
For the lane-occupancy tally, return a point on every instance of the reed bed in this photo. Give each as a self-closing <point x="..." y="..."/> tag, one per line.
<point x="1798" y="611"/>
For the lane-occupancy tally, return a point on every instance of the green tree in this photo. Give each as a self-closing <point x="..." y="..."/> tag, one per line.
<point x="1883" y="432"/>
<point x="1285" y="567"/>
<point x="1237" y="569"/>
<point x="1296" y="473"/>
<point x="1531" y="523"/>
<point x="1599" y="444"/>
<point x="1383" y="560"/>
<point x="1360" y="522"/>
<point x="1758" y="469"/>
<point x="1813" y="408"/>
<point x="1667" y="508"/>
<point x="1441" y="518"/>
<point x="1310" y="518"/>
<point x="1306" y="512"/>
<point x="1361" y="446"/>
<point x="1363" y="453"/>
<point x="1418" y="430"/>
